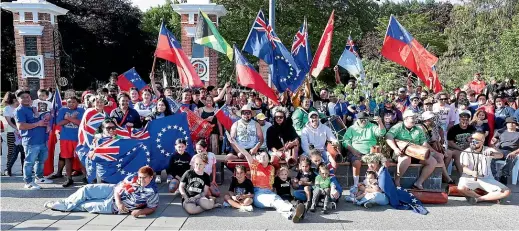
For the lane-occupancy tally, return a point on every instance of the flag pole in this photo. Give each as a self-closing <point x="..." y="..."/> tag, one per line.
<point x="152" y="74"/>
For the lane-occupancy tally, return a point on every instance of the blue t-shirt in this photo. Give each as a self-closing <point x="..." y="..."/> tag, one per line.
<point x="35" y="136"/>
<point x="70" y="130"/>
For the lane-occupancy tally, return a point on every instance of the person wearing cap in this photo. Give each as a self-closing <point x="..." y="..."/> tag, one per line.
<point x="462" y="107"/>
<point x="415" y="104"/>
<point x="265" y="125"/>
<point x="477" y="85"/>
<point x="410" y="132"/>
<point x="476" y="172"/>
<point x="507" y="142"/>
<point x="501" y="111"/>
<point x="247" y="133"/>
<point x="34" y="140"/>
<point x="317" y="134"/>
<point x="359" y="138"/>
<point x="458" y="138"/>
<point x="402" y="101"/>
<point x="434" y="135"/>
<point x="300" y="115"/>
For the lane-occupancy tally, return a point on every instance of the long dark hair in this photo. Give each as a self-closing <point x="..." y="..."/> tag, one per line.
<point x="8" y="99"/>
<point x="167" y="112"/>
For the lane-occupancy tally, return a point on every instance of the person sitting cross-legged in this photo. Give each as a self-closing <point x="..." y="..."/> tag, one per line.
<point x="137" y="194"/>
<point x="194" y="187"/>
<point x="477" y="173"/>
<point x="241" y="191"/>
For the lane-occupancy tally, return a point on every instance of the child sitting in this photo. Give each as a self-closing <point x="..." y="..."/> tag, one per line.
<point x="302" y="184"/>
<point x="241" y="191"/>
<point x="364" y="192"/>
<point x="178" y="165"/>
<point x="210" y="167"/>
<point x="322" y="187"/>
<point x="282" y="184"/>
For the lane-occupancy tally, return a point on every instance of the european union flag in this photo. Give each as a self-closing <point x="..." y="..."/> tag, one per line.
<point x="164" y="132"/>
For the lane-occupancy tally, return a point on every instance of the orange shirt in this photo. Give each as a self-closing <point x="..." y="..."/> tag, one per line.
<point x="477" y="87"/>
<point x="262" y="177"/>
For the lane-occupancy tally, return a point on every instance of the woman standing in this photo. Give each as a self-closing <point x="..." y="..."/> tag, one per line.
<point x="124" y="115"/>
<point x="146" y="106"/>
<point x="194" y="187"/>
<point x="208" y="113"/>
<point x="10" y="104"/>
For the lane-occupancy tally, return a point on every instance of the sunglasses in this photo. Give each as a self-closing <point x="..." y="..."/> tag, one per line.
<point x="444" y="99"/>
<point x="110" y="128"/>
<point x="246" y="113"/>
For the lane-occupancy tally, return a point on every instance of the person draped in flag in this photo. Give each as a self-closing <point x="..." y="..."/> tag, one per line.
<point x="207" y="112"/>
<point x="187" y="96"/>
<point x="136" y="195"/>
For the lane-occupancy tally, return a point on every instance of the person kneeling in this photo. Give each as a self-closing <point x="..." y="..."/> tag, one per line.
<point x="194" y="186"/>
<point x="241" y="191"/>
<point x="322" y="187"/>
<point x="477" y="172"/>
<point x="137" y="194"/>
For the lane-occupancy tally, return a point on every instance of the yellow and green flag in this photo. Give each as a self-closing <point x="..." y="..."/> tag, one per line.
<point x="207" y="35"/>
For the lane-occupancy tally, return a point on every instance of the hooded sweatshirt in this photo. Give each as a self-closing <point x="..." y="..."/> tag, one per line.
<point x="316" y="136"/>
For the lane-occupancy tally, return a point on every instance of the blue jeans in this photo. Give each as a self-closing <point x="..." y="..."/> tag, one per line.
<point x="92" y="198"/>
<point x="35" y="154"/>
<point x="265" y="198"/>
<point x="378" y="197"/>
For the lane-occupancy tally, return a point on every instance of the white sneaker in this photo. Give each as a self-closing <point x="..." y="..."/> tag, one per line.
<point x="246" y="208"/>
<point x="32" y="186"/>
<point x="43" y="181"/>
<point x="158" y="180"/>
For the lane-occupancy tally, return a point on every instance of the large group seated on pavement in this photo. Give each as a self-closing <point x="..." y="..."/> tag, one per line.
<point x="282" y="156"/>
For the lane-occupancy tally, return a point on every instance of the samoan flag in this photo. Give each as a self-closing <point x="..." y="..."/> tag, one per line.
<point x="399" y="198"/>
<point x="118" y="158"/>
<point x="131" y="79"/>
<point x="224" y="117"/>
<point x="165" y="131"/>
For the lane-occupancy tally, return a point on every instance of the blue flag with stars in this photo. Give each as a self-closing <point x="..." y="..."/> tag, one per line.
<point x="163" y="134"/>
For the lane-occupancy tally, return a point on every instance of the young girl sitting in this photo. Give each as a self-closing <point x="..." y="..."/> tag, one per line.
<point x="178" y="165"/>
<point x="210" y="168"/>
<point x="241" y="191"/>
<point x="322" y="187"/>
<point x="282" y="184"/>
<point x="194" y="187"/>
<point x="303" y="182"/>
<point x="366" y="191"/>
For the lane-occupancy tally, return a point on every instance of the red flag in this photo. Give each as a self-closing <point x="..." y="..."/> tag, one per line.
<point x="199" y="127"/>
<point x="169" y="48"/>
<point x="400" y="47"/>
<point x="48" y="167"/>
<point x="322" y="55"/>
<point x="248" y="77"/>
<point x="222" y="115"/>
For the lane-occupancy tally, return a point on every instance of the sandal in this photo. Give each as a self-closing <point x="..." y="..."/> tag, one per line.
<point x="416" y="187"/>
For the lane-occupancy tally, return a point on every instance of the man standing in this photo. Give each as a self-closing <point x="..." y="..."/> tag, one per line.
<point x="477" y="85"/>
<point x="359" y="139"/>
<point x="445" y="112"/>
<point x="69" y="118"/>
<point x="402" y="101"/>
<point x="476" y="174"/>
<point x="34" y="140"/>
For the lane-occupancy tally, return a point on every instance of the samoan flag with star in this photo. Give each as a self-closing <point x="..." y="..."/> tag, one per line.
<point x="163" y="134"/>
<point x="118" y="158"/>
<point x="131" y="79"/>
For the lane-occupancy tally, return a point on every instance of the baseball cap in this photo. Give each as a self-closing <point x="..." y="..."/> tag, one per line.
<point x="312" y="113"/>
<point x="413" y="96"/>
<point x="260" y="116"/>
<point x="402" y="89"/>
<point x="428" y="115"/>
<point x="20" y="92"/>
<point x="362" y="115"/>
<point x="408" y="113"/>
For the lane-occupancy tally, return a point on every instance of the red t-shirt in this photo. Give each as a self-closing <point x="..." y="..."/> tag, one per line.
<point x="477" y="87"/>
<point x="262" y="177"/>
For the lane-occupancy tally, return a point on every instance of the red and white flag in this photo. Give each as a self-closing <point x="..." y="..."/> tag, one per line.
<point x="322" y="55"/>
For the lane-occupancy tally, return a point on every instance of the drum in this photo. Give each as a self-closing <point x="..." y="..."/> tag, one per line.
<point x="413" y="150"/>
<point x="335" y="152"/>
<point x="338" y="127"/>
<point x="427" y="197"/>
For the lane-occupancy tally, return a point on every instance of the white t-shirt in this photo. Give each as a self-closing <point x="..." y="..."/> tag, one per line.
<point x="42" y="106"/>
<point x="482" y="160"/>
<point x="8" y="112"/>
<point x="209" y="166"/>
<point x="446" y="114"/>
<point x="264" y="129"/>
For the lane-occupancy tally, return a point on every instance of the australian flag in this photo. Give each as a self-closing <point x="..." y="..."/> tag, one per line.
<point x="165" y="132"/>
<point x="264" y="43"/>
<point x="301" y="50"/>
<point x="399" y="198"/>
<point x="131" y="79"/>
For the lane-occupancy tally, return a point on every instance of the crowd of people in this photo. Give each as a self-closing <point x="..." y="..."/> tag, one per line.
<point x="286" y="147"/>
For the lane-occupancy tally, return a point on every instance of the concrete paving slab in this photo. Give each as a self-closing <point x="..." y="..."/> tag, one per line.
<point x="64" y="226"/>
<point x="97" y="227"/>
<point x="106" y="219"/>
<point x="75" y="218"/>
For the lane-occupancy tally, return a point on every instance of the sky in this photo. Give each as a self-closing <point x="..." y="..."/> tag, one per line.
<point x="145" y="4"/>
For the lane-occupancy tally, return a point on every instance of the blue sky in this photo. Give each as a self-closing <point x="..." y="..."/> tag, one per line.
<point x="145" y="4"/>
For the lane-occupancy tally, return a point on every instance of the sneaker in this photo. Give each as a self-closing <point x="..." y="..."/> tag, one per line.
<point x="298" y="212"/>
<point x="325" y="210"/>
<point x="49" y="204"/>
<point x="169" y="179"/>
<point x="226" y="205"/>
<point x="503" y="180"/>
<point x="312" y="208"/>
<point x="43" y="181"/>
<point x="32" y="186"/>
<point x="472" y="200"/>
<point x="158" y="180"/>
<point x="7" y="173"/>
<point x="68" y="183"/>
<point x="246" y="208"/>
<point x="55" y="176"/>
<point x="369" y="204"/>
<point x="217" y="205"/>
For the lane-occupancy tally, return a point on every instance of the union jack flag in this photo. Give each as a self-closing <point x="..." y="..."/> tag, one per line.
<point x="351" y="46"/>
<point x="263" y="26"/>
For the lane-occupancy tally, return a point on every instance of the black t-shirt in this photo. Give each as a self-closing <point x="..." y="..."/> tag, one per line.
<point x="179" y="164"/>
<point x="243" y="188"/>
<point x="195" y="183"/>
<point x="282" y="187"/>
<point x="310" y="176"/>
<point x="508" y="141"/>
<point x="460" y="136"/>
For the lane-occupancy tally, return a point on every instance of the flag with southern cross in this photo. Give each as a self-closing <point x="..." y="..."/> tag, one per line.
<point x="117" y="158"/>
<point x="207" y="35"/>
<point x="165" y="131"/>
<point x="130" y="79"/>
<point x="261" y="39"/>
<point x="301" y="49"/>
<point x="223" y="116"/>
<point x="350" y="60"/>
